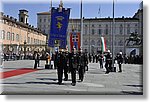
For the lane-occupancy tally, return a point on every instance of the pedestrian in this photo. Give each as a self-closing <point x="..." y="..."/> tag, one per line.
<point x="38" y="59"/>
<point x="55" y="59"/>
<point x="60" y="64"/>
<point x="108" y="62"/>
<point x="47" y="58"/>
<point x="93" y="58"/>
<point x="35" y="59"/>
<point x="73" y="65"/>
<point x="86" y="61"/>
<point x="90" y="58"/>
<point x="100" y="57"/>
<point x="81" y="65"/>
<point x="65" y="65"/>
<point x="120" y="61"/>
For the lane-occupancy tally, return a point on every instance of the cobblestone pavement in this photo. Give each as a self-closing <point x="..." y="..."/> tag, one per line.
<point x="44" y="81"/>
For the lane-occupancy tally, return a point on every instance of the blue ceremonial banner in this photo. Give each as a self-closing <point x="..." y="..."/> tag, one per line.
<point x="58" y="30"/>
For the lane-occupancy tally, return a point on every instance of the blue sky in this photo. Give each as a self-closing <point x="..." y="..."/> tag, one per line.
<point x="90" y="9"/>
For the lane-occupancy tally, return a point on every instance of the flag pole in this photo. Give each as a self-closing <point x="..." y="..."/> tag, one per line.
<point x="81" y="26"/>
<point x="113" y="29"/>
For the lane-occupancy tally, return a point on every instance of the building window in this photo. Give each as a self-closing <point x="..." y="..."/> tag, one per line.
<point x="121" y="29"/>
<point x="17" y="37"/>
<point x="106" y="30"/>
<point x="44" y="20"/>
<point x="13" y="37"/>
<point x="100" y="31"/>
<point x="93" y="31"/>
<point x="8" y="35"/>
<point x="86" y="29"/>
<point x="3" y="34"/>
<point x="128" y="29"/>
<point x="40" y="20"/>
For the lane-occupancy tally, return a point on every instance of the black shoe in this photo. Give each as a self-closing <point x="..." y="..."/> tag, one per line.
<point x="73" y="84"/>
<point x="107" y="73"/>
<point x="65" y="79"/>
<point x="59" y="83"/>
<point x="119" y="71"/>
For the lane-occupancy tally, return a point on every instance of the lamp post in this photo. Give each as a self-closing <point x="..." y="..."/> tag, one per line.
<point x="25" y="49"/>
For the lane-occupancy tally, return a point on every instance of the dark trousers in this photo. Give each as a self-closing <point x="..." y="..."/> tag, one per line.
<point x="73" y="74"/>
<point x="55" y="65"/>
<point x="38" y="62"/>
<point x="101" y="64"/>
<point x="35" y="64"/>
<point x="60" y="74"/>
<point x="120" y="69"/>
<point x="87" y="68"/>
<point x="66" y="72"/>
<point x="107" y="67"/>
<point x="81" y="72"/>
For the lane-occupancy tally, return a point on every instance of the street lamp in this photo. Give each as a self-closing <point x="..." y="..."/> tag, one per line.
<point x="25" y="49"/>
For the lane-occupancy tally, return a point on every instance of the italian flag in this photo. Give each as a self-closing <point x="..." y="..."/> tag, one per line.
<point x="103" y="43"/>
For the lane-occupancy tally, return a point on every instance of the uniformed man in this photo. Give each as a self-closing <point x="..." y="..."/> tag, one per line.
<point x="73" y="65"/>
<point x="66" y="66"/>
<point x="108" y="62"/>
<point x="81" y="63"/>
<point x="120" y="61"/>
<point x="60" y="63"/>
<point x="55" y="59"/>
<point x="86" y="62"/>
<point x="100" y="57"/>
<point x="35" y="59"/>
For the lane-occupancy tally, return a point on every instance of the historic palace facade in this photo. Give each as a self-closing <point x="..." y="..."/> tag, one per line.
<point x="18" y="36"/>
<point x="94" y="28"/>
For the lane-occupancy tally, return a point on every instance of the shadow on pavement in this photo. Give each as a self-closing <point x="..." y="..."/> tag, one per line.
<point x="134" y="85"/>
<point x="131" y="93"/>
<point x="53" y="79"/>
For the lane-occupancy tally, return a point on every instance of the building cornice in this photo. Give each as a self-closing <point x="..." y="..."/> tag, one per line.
<point x="14" y="20"/>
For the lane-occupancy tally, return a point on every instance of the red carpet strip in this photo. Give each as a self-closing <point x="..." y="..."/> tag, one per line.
<point x="16" y="72"/>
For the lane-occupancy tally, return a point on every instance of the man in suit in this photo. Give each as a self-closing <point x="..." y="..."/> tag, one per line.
<point x="73" y="65"/>
<point x="60" y="64"/>
<point x="108" y="62"/>
<point x="81" y="65"/>
<point x="120" y="61"/>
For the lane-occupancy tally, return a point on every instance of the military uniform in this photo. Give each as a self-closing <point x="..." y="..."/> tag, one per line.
<point x="60" y="64"/>
<point x="65" y="67"/>
<point x="120" y="61"/>
<point x="73" y="66"/>
<point x="100" y="57"/>
<point x="108" y="63"/>
<point x="86" y="62"/>
<point x="81" y="63"/>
